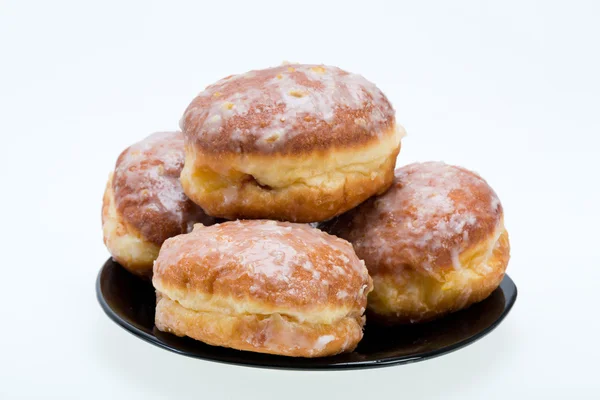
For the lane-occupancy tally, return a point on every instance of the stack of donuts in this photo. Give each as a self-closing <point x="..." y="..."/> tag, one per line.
<point x="276" y="221"/>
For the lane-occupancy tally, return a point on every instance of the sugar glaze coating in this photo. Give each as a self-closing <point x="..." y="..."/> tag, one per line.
<point x="434" y="243"/>
<point x="147" y="191"/>
<point x="432" y="212"/>
<point x="284" y="264"/>
<point x="262" y="286"/>
<point x="287" y="109"/>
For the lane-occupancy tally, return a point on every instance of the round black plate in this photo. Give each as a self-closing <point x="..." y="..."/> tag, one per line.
<point x="129" y="301"/>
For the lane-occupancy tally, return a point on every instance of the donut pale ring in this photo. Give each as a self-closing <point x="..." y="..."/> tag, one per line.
<point x="434" y="243"/>
<point x="297" y="142"/>
<point x="144" y="203"/>
<point x="262" y="286"/>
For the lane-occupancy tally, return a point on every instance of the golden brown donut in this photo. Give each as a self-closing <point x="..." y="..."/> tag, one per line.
<point x="297" y="142"/>
<point x="144" y="203"/>
<point x="434" y="243"/>
<point x="262" y="286"/>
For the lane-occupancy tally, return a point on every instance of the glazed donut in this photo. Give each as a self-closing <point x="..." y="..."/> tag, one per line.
<point x="434" y="243"/>
<point x="144" y="203"/>
<point x="300" y="143"/>
<point x="262" y="286"/>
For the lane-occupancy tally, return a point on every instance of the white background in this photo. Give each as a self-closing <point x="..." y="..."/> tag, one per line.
<point x="509" y="89"/>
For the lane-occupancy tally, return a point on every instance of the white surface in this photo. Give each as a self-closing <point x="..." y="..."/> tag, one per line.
<point x="510" y="89"/>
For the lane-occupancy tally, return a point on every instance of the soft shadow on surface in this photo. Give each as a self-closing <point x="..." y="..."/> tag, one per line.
<point x="157" y="373"/>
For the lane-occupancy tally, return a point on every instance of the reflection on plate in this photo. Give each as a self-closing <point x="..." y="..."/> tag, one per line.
<point x="129" y="301"/>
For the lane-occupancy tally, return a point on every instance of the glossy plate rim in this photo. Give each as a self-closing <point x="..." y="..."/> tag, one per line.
<point x="288" y="363"/>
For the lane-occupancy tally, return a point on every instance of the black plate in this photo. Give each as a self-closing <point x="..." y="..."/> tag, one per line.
<point x="129" y="301"/>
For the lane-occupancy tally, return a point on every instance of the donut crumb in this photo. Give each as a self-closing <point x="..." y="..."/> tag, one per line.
<point x="318" y="69"/>
<point x="297" y="93"/>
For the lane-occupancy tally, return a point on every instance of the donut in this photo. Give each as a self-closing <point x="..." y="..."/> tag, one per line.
<point x="300" y="143"/>
<point x="262" y="286"/>
<point x="434" y="243"/>
<point x="144" y="204"/>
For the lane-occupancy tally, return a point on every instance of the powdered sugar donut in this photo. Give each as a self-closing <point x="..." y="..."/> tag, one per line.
<point x="297" y="142"/>
<point x="144" y="203"/>
<point x="262" y="286"/>
<point x="434" y="243"/>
